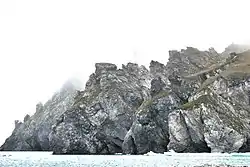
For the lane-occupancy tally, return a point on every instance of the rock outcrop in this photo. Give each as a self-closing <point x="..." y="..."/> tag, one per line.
<point x="198" y="102"/>
<point x="32" y="134"/>
<point x="103" y="113"/>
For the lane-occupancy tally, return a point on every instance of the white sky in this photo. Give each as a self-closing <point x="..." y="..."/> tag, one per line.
<point x="42" y="43"/>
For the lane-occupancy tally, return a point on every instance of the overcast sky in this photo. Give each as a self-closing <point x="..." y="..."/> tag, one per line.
<point x="42" y="43"/>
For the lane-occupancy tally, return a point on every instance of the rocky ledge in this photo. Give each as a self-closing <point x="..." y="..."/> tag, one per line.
<point x="198" y="102"/>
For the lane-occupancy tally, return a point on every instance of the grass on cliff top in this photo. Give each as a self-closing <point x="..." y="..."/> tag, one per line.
<point x="239" y="64"/>
<point x="240" y="67"/>
<point x="235" y="67"/>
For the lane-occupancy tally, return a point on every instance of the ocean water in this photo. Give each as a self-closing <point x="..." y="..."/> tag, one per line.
<point x="46" y="159"/>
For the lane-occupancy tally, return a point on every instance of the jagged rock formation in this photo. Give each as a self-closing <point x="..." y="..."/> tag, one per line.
<point x="32" y="134"/>
<point x="198" y="102"/>
<point x="103" y="113"/>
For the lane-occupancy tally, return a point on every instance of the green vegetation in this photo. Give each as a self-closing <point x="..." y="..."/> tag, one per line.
<point x="195" y="103"/>
<point x="161" y="95"/>
<point x="239" y="71"/>
<point x="236" y="67"/>
<point x="223" y="111"/>
<point x="149" y="102"/>
<point x="208" y="82"/>
<point x="146" y="103"/>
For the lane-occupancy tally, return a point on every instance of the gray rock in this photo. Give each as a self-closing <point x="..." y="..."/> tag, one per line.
<point x="198" y="102"/>
<point x="104" y="67"/>
<point x="149" y="131"/>
<point x="33" y="133"/>
<point x="179" y="138"/>
<point x="102" y="115"/>
<point x="26" y="118"/>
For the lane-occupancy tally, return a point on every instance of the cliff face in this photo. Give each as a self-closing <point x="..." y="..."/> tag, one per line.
<point x="198" y="102"/>
<point x="102" y="114"/>
<point x="32" y="134"/>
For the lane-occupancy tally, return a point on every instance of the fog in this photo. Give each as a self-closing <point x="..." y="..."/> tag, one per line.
<point x="43" y="43"/>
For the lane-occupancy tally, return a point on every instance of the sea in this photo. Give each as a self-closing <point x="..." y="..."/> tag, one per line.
<point x="46" y="159"/>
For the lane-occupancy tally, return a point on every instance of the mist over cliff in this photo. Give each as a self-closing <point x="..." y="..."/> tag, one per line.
<point x="196" y="102"/>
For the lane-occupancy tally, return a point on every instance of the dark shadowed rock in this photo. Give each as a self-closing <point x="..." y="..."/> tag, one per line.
<point x="198" y="102"/>
<point x="149" y="131"/>
<point x="26" y="118"/>
<point x="104" y="67"/>
<point x="102" y="115"/>
<point x="157" y="85"/>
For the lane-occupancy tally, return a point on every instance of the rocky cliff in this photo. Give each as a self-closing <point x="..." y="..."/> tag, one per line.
<point x="32" y="134"/>
<point x="198" y="102"/>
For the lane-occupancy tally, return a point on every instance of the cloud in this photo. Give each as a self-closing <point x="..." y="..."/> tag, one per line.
<point x="43" y="43"/>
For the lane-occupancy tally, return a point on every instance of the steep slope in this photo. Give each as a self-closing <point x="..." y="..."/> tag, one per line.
<point x="211" y="113"/>
<point x="103" y="113"/>
<point x="150" y="130"/>
<point x="33" y="133"/>
<point x="218" y="114"/>
<point x="198" y="102"/>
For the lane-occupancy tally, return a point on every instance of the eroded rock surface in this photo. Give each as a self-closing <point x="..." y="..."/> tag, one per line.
<point x="32" y="134"/>
<point x="198" y="102"/>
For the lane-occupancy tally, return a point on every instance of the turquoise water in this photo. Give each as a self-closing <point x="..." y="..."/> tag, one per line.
<point x="46" y="159"/>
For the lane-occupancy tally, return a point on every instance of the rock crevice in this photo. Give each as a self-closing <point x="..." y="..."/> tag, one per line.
<point x="197" y="102"/>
